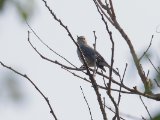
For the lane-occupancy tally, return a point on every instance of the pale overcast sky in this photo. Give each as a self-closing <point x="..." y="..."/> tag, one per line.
<point x="139" y="19"/>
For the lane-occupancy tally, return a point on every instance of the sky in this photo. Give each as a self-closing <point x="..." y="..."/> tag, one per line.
<point x="138" y="18"/>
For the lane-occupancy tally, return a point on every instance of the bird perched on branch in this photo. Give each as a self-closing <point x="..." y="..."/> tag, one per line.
<point x="91" y="56"/>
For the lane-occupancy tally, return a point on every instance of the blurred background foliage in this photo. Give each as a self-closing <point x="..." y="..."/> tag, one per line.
<point x="11" y="89"/>
<point x="157" y="117"/>
<point x="25" y="8"/>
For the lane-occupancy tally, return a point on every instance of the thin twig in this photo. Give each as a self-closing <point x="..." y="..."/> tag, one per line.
<point x="48" y="45"/>
<point x="111" y="68"/>
<point x="113" y="111"/>
<point x="105" y="7"/>
<point x="112" y="9"/>
<point x="104" y="102"/>
<point x="119" y="96"/>
<point x="99" y="86"/>
<point x="94" y="45"/>
<point x="147" y="73"/>
<point x="133" y="53"/>
<point x="98" y="5"/>
<point x="146" y="49"/>
<point x="157" y="83"/>
<point x="87" y="103"/>
<point x="25" y="76"/>
<point x="123" y="114"/>
<point x="143" y="118"/>
<point x="146" y="108"/>
<point x="153" y="65"/>
<point x="110" y="74"/>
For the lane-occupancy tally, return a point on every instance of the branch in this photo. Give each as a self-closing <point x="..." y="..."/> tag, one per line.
<point x="94" y="45"/>
<point x="85" y="63"/>
<point x="123" y="114"/>
<point x="133" y="53"/>
<point x="25" y="76"/>
<point x="64" y="66"/>
<point x="87" y="103"/>
<point x="98" y="6"/>
<point x="69" y="33"/>
<point x="158" y="85"/>
<point x="48" y="46"/>
<point x="146" y="49"/>
<point x="111" y="68"/>
<point x="146" y="108"/>
<point x="153" y="65"/>
<point x="133" y="91"/>
<point x="119" y="96"/>
<point x="112" y="9"/>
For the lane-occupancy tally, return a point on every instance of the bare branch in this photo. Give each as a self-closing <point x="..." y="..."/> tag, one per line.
<point x="91" y="77"/>
<point x="132" y="50"/>
<point x="119" y="96"/>
<point x="69" y="34"/>
<point x="64" y="66"/>
<point x="112" y="9"/>
<point x="48" y="46"/>
<point x="41" y="93"/>
<point x="87" y="103"/>
<point x="111" y="68"/>
<point x="147" y="48"/>
<point x="153" y="65"/>
<point x="99" y="86"/>
<point x="105" y="7"/>
<point x="123" y="114"/>
<point x="158" y="85"/>
<point x="133" y="91"/>
<point x="145" y="107"/>
<point x="94" y="45"/>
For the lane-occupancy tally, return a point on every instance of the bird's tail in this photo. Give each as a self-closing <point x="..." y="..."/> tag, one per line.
<point x="107" y="65"/>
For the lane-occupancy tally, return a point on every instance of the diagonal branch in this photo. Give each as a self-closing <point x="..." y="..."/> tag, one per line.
<point x="87" y="103"/>
<point x="146" y="107"/>
<point x="25" y="76"/>
<point x="133" y="53"/>
<point x="111" y="68"/>
<point x="48" y="46"/>
<point x="147" y="48"/>
<point x="119" y="96"/>
<point x="112" y="9"/>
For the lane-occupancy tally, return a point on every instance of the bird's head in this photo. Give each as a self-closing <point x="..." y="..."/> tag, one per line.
<point x="81" y="40"/>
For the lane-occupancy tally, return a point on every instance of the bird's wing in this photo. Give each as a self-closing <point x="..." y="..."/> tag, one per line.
<point x="101" y="60"/>
<point x="88" y="52"/>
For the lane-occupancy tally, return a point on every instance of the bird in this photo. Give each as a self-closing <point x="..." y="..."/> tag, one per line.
<point x="91" y="56"/>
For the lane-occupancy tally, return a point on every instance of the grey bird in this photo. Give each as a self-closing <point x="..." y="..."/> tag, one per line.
<point x="91" y="56"/>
